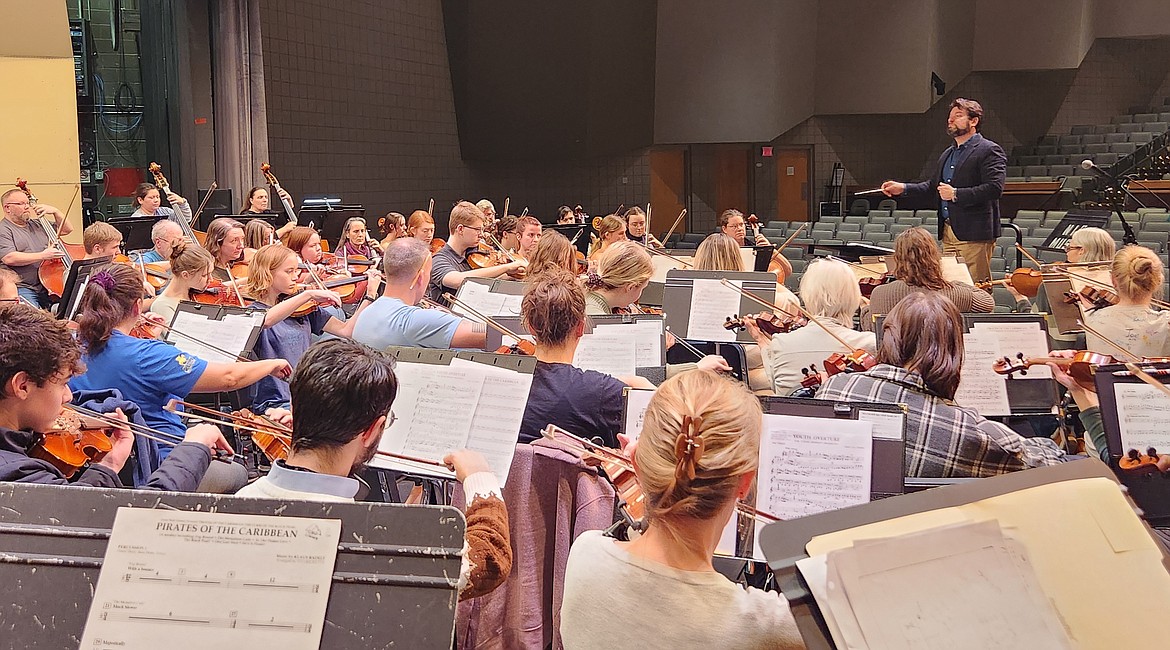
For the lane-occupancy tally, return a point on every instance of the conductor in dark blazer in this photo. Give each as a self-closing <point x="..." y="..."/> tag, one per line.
<point x="969" y="182"/>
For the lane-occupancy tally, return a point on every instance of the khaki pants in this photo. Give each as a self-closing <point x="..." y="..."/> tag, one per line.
<point x="976" y="254"/>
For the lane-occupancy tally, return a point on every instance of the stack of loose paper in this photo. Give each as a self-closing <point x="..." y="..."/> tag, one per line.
<point x="479" y="297"/>
<point x="464" y="405"/>
<point x="619" y="349"/>
<point x="1064" y="565"/>
<point x="980" y="387"/>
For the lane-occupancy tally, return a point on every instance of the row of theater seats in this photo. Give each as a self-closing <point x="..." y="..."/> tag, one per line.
<point x="1056" y="156"/>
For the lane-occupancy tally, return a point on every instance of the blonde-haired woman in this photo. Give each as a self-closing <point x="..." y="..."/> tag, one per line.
<point x="611" y="231"/>
<point x="272" y="282"/>
<point x="191" y="267"/>
<point x="719" y="252"/>
<point x="830" y="292"/>
<point x="696" y="456"/>
<point x="1085" y="246"/>
<point x="1132" y="323"/>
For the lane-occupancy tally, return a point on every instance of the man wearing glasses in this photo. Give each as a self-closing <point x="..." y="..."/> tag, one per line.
<point x="450" y="267"/>
<point x="968" y="181"/>
<point x="24" y="245"/>
<point x="394" y="318"/>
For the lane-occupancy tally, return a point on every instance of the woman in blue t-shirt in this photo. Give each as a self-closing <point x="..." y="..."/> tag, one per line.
<point x="585" y="402"/>
<point x="272" y="283"/>
<point x="149" y="373"/>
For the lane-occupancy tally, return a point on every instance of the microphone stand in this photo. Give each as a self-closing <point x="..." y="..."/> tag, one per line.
<point x="1129" y="237"/>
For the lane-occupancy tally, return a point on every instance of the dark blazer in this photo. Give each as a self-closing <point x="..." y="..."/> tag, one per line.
<point x="978" y="181"/>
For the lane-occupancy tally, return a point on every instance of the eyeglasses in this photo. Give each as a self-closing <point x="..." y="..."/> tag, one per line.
<point x="478" y="230"/>
<point x="391" y="419"/>
<point x="24" y="204"/>
<point x="1070" y="249"/>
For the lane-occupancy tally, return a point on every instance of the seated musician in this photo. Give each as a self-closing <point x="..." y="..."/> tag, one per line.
<point x="506" y="233"/>
<point x="1086" y="245"/>
<point x="259" y="202"/>
<point x="830" y="292"/>
<point x="611" y="230"/>
<point x="1132" y="323"/>
<point x="698" y="453"/>
<point x="356" y="240"/>
<point x="148" y="372"/>
<point x="272" y="284"/>
<point x="489" y="212"/>
<point x="24" y="244"/>
<point x="38" y="355"/>
<point x="554" y="252"/>
<point x="225" y="242"/>
<point x="191" y="267"/>
<point x="636" y="228"/>
<point x="450" y="267"/>
<point x="395" y="319"/>
<point x="393" y="226"/>
<point x="528" y="233"/>
<point x="621" y="275"/>
<point x="164" y="234"/>
<point x="421" y="226"/>
<point x="920" y="357"/>
<point x="9" y="281"/>
<point x="733" y="224"/>
<point x="586" y="402"/>
<point x="257" y="234"/>
<point x="565" y="215"/>
<point x="100" y="239"/>
<point x="918" y="268"/>
<point x="342" y="393"/>
<point x="148" y="203"/>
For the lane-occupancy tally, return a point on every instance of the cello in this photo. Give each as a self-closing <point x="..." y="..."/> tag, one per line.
<point x="164" y="186"/>
<point x="52" y="272"/>
<point x="291" y="213"/>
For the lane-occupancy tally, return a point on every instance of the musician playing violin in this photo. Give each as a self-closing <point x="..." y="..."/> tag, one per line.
<point x="528" y="233"/>
<point x="38" y="355"/>
<point x="622" y="272"/>
<point x="225" y="242"/>
<point x="356" y="240"/>
<point x="342" y="394"/>
<point x="636" y="229"/>
<point x="554" y="252"/>
<point x="611" y="231"/>
<point x="394" y="226"/>
<point x="394" y="318"/>
<point x="24" y="244"/>
<point x="164" y="234"/>
<point x="191" y="268"/>
<point x="450" y="267"/>
<point x="1086" y="245"/>
<point x="585" y="402"/>
<point x="1132" y="323"/>
<point x="919" y="361"/>
<point x="698" y="453"/>
<point x="100" y="239"/>
<point x="830" y="292"/>
<point x="149" y="373"/>
<point x="272" y="283"/>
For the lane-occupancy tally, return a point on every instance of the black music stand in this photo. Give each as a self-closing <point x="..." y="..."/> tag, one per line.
<point x="135" y="231"/>
<point x="219" y="205"/>
<point x="1071" y="222"/>
<point x="394" y="582"/>
<point x="677" y="296"/>
<point x="571" y="230"/>
<point x="75" y="282"/>
<point x="329" y="221"/>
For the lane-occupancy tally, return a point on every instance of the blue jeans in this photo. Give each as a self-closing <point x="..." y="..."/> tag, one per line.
<point x="31" y="295"/>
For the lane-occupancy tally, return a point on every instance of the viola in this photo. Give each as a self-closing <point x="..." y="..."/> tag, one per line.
<point x="1081" y="367"/>
<point x="1025" y="281"/>
<point x="1150" y="462"/>
<point x="351" y="289"/>
<point x="770" y="324"/>
<point x="854" y="361"/>
<point x="344" y="287"/>
<point x="1096" y="298"/>
<point x="522" y="347"/>
<point x="868" y="284"/>
<point x="71" y="444"/>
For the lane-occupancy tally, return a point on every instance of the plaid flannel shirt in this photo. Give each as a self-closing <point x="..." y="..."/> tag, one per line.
<point x="943" y="440"/>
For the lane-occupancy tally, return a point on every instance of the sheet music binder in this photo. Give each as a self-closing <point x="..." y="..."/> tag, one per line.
<point x="79" y="272"/>
<point x="784" y="542"/>
<point x="215" y="313"/>
<point x="676" y="297"/>
<point x="656" y="374"/>
<point x="394" y="580"/>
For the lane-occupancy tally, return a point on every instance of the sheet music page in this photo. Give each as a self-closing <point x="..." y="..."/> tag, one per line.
<point x="495" y="425"/>
<point x="480" y="298"/>
<point x="1143" y="413"/>
<point x="435" y="407"/>
<point x="1019" y="337"/>
<point x="230" y="334"/>
<point x="663" y="264"/>
<point x="191" y="580"/>
<point x="955" y="271"/>
<point x="648" y="335"/>
<point x="812" y="465"/>
<point x="747" y="255"/>
<point x="979" y="387"/>
<point x="510" y="306"/>
<point x="887" y="425"/>
<point x="614" y="355"/>
<point x="637" y="399"/>
<point x="711" y="305"/>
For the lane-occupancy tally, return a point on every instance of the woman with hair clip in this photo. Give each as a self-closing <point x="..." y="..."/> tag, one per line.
<point x="585" y="402"/>
<point x="1132" y="323"/>
<point x="696" y="456"/>
<point x="225" y="242"/>
<point x="920" y="358"/>
<point x="830" y="293"/>
<point x="191" y="268"/>
<point x="918" y="268"/>
<point x="612" y="230"/>
<point x="622" y="273"/>
<point x="554" y="252"/>
<point x="149" y="373"/>
<point x="272" y="283"/>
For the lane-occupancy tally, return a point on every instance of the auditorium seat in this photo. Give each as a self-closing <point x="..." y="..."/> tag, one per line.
<point x="1096" y="148"/>
<point x="772" y="233"/>
<point x="879" y="213"/>
<point x="1164" y="118"/>
<point x="1052" y="159"/>
<point x="1049" y="139"/>
<point x="1121" y="119"/>
<point x="1106" y="158"/>
<point x="1045" y="150"/>
<point x="1024" y="161"/>
<point x="849" y="236"/>
<point x="898" y="228"/>
<point x="1075" y="159"/>
<point x="1105" y="128"/>
<point x="686" y="246"/>
<point x="1015" y="179"/>
<point x="1145" y="117"/>
<point x="1035" y="170"/>
<point x="879" y="237"/>
<point x="1068" y="139"/>
<point x="849" y="227"/>
<point x="1152" y="227"/>
<point x="1070" y="149"/>
<point x="1111" y="138"/>
<point x="695" y="238"/>
<point x="1030" y="216"/>
<point x="1123" y="148"/>
<point x="927" y="216"/>
<point x="884" y="222"/>
<point x="874" y="214"/>
<point x="1141" y="137"/>
<point x="1092" y="138"/>
<point x="1081" y="129"/>
<point x="1053" y="217"/>
<point x="859" y="206"/>
<point x="1015" y="170"/>
<point x="888" y="204"/>
<point x="778" y="225"/>
<point x="1128" y="128"/>
<point x="1060" y="169"/>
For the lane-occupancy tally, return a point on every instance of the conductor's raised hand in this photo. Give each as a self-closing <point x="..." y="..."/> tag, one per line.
<point x="893" y="188"/>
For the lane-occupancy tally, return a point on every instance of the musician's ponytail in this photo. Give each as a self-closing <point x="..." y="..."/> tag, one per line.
<point x="110" y="297"/>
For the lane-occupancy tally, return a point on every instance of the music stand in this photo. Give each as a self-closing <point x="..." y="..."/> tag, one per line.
<point x="219" y="205"/>
<point x="329" y="220"/>
<point x="135" y="231"/>
<point x="1071" y="222"/>
<point x="274" y="219"/>
<point x="570" y="230"/>
<point x="75" y="282"/>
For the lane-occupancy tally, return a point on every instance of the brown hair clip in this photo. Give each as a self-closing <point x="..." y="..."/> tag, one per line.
<point x="688" y="448"/>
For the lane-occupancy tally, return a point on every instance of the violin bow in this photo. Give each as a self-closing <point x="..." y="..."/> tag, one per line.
<point x="654" y="251"/>
<point x="758" y="515"/>
<point x="1105" y="285"/>
<point x="1131" y="366"/>
<point x="431" y="208"/>
<point x="686" y="344"/>
<point x="803" y="312"/>
<point x="486" y="319"/>
<point x="1035" y="261"/>
<point x="203" y="204"/>
<point x="788" y="241"/>
<point x="72" y="201"/>
<point x="507" y="200"/>
<point x="672" y="227"/>
<point x="858" y="266"/>
<point x="161" y="437"/>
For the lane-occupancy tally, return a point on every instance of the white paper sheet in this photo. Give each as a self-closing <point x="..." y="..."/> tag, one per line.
<point x="648" y="335"/>
<point x="478" y="297"/>
<point x="230" y="334"/>
<point x="1015" y="338"/>
<point x="886" y="425"/>
<point x="812" y="465"/>
<point x="711" y="305"/>
<point x="612" y="354"/>
<point x="1143" y="413"/>
<point x="187" y="580"/>
<point x="637" y="399"/>
<point x="979" y="387"/>
<point x="495" y="425"/>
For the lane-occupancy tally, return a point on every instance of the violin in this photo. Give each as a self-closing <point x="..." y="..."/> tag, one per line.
<point x="522" y="347"/>
<point x="868" y="284"/>
<point x="1150" y="462"/>
<point x="636" y="308"/>
<point x="1081" y="367"/>
<point x="265" y="434"/>
<point x="1096" y="298"/>
<point x="164" y="186"/>
<point x="855" y="361"/>
<point x="484" y="256"/>
<point x="218" y="293"/>
<point x="618" y="468"/>
<point x="71" y="444"/>
<point x="770" y="324"/>
<point x="436" y="244"/>
<point x="1025" y="281"/>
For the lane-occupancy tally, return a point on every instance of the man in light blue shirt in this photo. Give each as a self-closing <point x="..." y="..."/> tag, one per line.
<point x="393" y="319"/>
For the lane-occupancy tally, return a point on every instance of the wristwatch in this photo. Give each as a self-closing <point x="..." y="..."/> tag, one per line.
<point x="369" y="298"/>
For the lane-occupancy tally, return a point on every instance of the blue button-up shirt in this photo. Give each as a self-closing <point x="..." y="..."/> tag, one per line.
<point x="948" y="172"/>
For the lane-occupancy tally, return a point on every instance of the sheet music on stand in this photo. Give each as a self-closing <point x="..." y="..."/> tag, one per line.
<point x="448" y="401"/>
<point x="481" y="295"/>
<point x="620" y="345"/>
<point x="231" y="329"/>
<point x="635" y="402"/>
<point x="75" y="283"/>
<point x="697" y="304"/>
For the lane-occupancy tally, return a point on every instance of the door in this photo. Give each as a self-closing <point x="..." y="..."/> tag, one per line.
<point x="667" y="190"/>
<point x="794" y="183"/>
